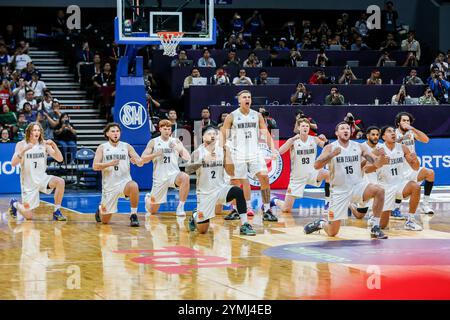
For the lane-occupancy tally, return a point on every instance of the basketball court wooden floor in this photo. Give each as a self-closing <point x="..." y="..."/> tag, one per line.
<point x="81" y="259"/>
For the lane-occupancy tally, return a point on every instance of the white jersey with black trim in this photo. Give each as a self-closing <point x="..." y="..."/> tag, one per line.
<point x="345" y="169"/>
<point x="210" y="176"/>
<point x="408" y="139"/>
<point x="371" y="177"/>
<point x="245" y="135"/>
<point x="303" y="156"/>
<point x="34" y="167"/>
<point x="115" y="176"/>
<point x="166" y="165"/>
<point x="392" y="173"/>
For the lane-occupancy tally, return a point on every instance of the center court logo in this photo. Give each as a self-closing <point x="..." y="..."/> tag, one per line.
<point x="274" y="167"/>
<point x="133" y="115"/>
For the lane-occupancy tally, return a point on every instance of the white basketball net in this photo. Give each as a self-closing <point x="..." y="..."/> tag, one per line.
<point x="170" y="41"/>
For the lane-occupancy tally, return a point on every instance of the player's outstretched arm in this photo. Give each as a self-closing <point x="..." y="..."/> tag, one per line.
<point x="411" y="158"/>
<point x="326" y="156"/>
<point x="53" y="150"/>
<point x="195" y="163"/>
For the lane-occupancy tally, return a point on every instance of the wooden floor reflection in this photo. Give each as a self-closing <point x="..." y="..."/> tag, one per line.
<point x="80" y="259"/>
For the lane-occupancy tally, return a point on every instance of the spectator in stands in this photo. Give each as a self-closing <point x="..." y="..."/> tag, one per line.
<point x="6" y="94"/>
<point x="206" y="118"/>
<point x="389" y="18"/>
<point x="322" y="60"/>
<point x="10" y="37"/>
<point x="8" y="120"/>
<point x="439" y="86"/>
<point x="195" y="73"/>
<point x="25" y="46"/>
<point x="66" y="136"/>
<point x="173" y="118"/>
<point x="220" y="77"/>
<point x="84" y="56"/>
<point x="375" y="78"/>
<point x="105" y="83"/>
<point x="37" y="86"/>
<point x="232" y="60"/>
<point x="237" y="24"/>
<point x="428" y="98"/>
<point x="20" y="60"/>
<point x="255" y="24"/>
<point x="301" y="96"/>
<point x="290" y="32"/>
<point x="231" y="43"/>
<point x="412" y="45"/>
<point x="356" y="128"/>
<point x="389" y="43"/>
<point x="20" y="91"/>
<point x="241" y="43"/>
<point x="258" y="46"/>
<point x="47" y="123"/>
<point x="30" y="69"/>
<point x="262" y="78"/>
<point x="242" y="79"/>
<point x="29" y="98"/>
<point x="299" y="114"/>
<point x="5" y="58"/>
<point x="400" y="97"/>
<point x="4" y="137"/>
<point x="334" y="98"/>
<point x="90" y="71"/>
<point x="318" y="77"/>
<point x="440" y="63"/>
<point x="281" y="45"/>
<point x="347" y="76"/>
<point x="252" y="61"/>
<point x="206" y="60"/>
<point x="384" y="57"/>
<point x="221" y="119"/>
<point x="269" y="121"/>
<point x="361" y="25"/>
<point x="411" y="60"/>
<point x="114" y="54"/>
<point x="412" y="79"/>
<point x="30" y="114"/>
<point x="55" y="113"/>
<point x="199" y="23"/>
<point x="59" y="26"/>
<point x="294" y="57"/>
<point x="307" y="44"/>
<point x="21" y="126"/>
<point x="181" y="61"/>
<point x="359" y="45"/>
<point x="46" y="103"/>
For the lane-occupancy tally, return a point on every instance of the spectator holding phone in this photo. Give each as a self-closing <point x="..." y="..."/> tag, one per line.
<point x="334" y="98"/>
<point x="347" y="76"/>
<point x="301" y="96"/>
<point x="66" y="136"/>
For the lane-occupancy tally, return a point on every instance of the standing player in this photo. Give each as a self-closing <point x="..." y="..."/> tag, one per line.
<point x="407" y="134"/>
<point x="303" y="149"/>
<point x="113" y="159"/>
<point x="245" y="126"/>
<point x="392" y="178"/>
<point x="347" y="183"/>
<point x="31" y="153"/>
<point x="210" y="161"/>
<point x="164" y="152"/>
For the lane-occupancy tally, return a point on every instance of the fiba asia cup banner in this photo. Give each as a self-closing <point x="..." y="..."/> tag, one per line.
<point x="434" y="155"/>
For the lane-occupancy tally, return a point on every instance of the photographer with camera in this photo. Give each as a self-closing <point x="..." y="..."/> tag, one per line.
<point x="270" y="122"/>
<point x="334" y="98"/>
<point x="347" y="76"/>
<point x="299" y="115"/>
<point x="66" y="136"/>
<point x="400" y="97"/>
<point x="439" y="85"/>
<point x="319" y="77"/>
<point x="411" y="60"/>
<point x="322" y="59"/>
<point x="384" y="57"/>
<point x="413" y="79"/>
<point x="301" y="96"/>
<point x="356" y="128"/>
<point x="428" y="98"/>
<point x="220" y="77"/>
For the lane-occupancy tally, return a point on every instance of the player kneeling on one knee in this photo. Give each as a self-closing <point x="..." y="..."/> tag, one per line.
<point x="209" y="162"/>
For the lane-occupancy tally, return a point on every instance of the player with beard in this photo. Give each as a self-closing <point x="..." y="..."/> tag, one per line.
<point x="31" y="153"/>
<point x="113" y="159"/>
<point x="392" y="178"/>
<point x="407" y="135"/>
<point x="347" y="184"/>
<point x="210" y="161"/>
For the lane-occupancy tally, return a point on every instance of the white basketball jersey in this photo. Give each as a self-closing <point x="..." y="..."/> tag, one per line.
<point x="345" y="169"/>
<point x="392" y="173"/>
<point x="210" y="176"/>
<point x="370" y="177"/>
<point x="33" y="167"/>
<point x="245" y="135"/>
<point x="115" y="176"/>
<point x="166" y="165"/>
<point x="408" y="139"/>
<point x="303" y="156"/>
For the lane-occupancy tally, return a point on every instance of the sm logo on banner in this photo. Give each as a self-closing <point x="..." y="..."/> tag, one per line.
<point x="133" y="115"/>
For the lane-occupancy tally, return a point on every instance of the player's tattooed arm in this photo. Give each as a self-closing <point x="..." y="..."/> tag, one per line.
<point x="99" y="165"/>
<point x="148" y="154"/>
<point x="411" y="158"/>
<point x="134" y="157"/>
<point x="326" y="156"/>
<point x="53" y="150"/>
<point x="195" y="163"/>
